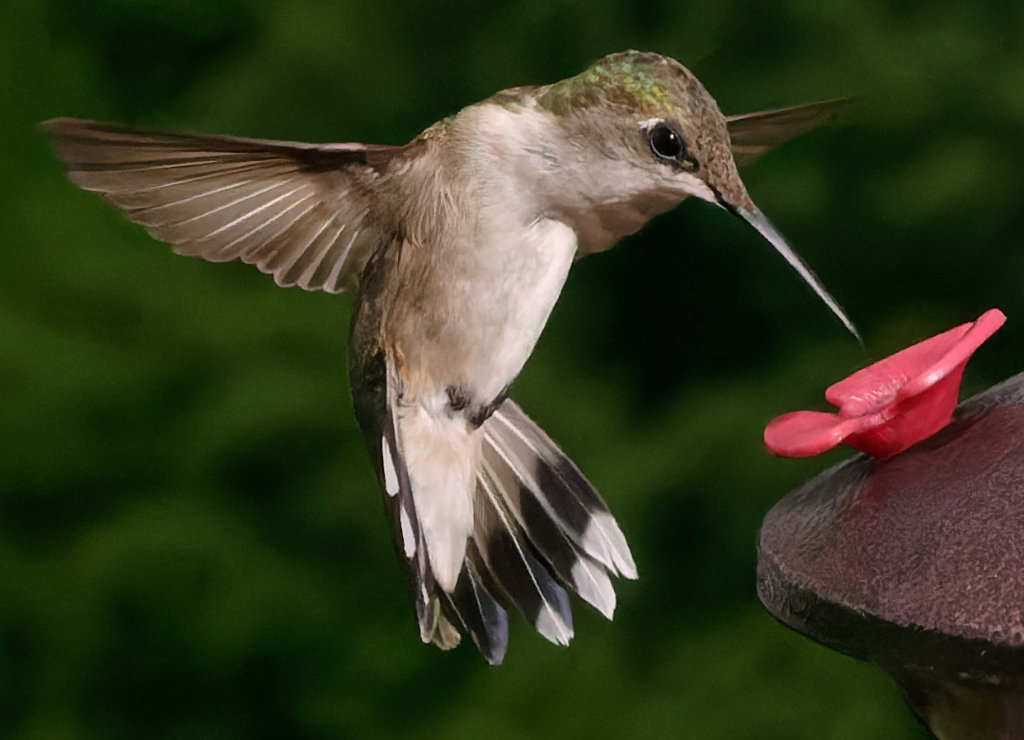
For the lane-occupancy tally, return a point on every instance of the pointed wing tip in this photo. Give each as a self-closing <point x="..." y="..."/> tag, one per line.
<point x="58" y="130"/>
<point x="55" y="125"/>
<point x="67" y="126"/>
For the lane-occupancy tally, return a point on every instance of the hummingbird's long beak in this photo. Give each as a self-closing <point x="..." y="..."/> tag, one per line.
<point x="766" y="229"/>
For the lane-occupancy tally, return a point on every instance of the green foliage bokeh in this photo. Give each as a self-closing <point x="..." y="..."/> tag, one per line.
<point x="191" y="543"/>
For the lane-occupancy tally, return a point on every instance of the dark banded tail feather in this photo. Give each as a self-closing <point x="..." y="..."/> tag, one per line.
<point x="511" y="560"/>
<point x="574" y="568"/>
<point x="558" y="488"/>
<point x="472" y="608"/>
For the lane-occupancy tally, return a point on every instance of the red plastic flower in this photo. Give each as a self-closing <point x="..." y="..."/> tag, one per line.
<point x="888" y="406"/>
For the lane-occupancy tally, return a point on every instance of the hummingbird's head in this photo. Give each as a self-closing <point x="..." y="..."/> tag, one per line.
<point x="652" y="115"/>
<point x="649" y="135"/>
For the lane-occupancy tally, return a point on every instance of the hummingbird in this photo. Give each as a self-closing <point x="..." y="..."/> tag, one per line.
<point x="456" y="246"/>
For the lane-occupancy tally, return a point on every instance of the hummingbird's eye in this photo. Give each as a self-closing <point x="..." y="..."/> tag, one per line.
<point x="666" y="142"/>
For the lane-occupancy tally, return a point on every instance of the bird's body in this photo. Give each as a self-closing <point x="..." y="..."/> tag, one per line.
<point x="458" y="245"/>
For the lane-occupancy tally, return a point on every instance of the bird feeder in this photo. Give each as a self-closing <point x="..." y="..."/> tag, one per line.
<point x="912" y="555"/>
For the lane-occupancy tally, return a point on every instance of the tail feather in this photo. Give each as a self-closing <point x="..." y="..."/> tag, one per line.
<point x="573" y="567"/>
<point x="434" y="624"/>
<point x="477" y="613"/>
<point x="559" y="488"/>
<point x="525" y="580"/>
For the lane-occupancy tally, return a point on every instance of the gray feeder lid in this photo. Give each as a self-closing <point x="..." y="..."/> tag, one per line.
<point x="916" y="561"/>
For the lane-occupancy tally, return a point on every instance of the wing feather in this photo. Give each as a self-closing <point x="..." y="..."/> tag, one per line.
<point x="299" y="212"/>
<point x="753" y="134"/>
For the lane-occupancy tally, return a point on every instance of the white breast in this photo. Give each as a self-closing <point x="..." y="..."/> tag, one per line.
<point x="525" y="284"/>
<point x="486" y="282"/>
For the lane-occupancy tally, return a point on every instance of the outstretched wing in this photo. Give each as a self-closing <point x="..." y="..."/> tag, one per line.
<point x="299" y="212"/>
<point x="753" y="134"/>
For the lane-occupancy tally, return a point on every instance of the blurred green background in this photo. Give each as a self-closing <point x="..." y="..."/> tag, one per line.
<point x="191" y="541"/>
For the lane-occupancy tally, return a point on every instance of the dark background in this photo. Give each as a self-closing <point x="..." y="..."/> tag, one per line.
<point x="191" y="541"/>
